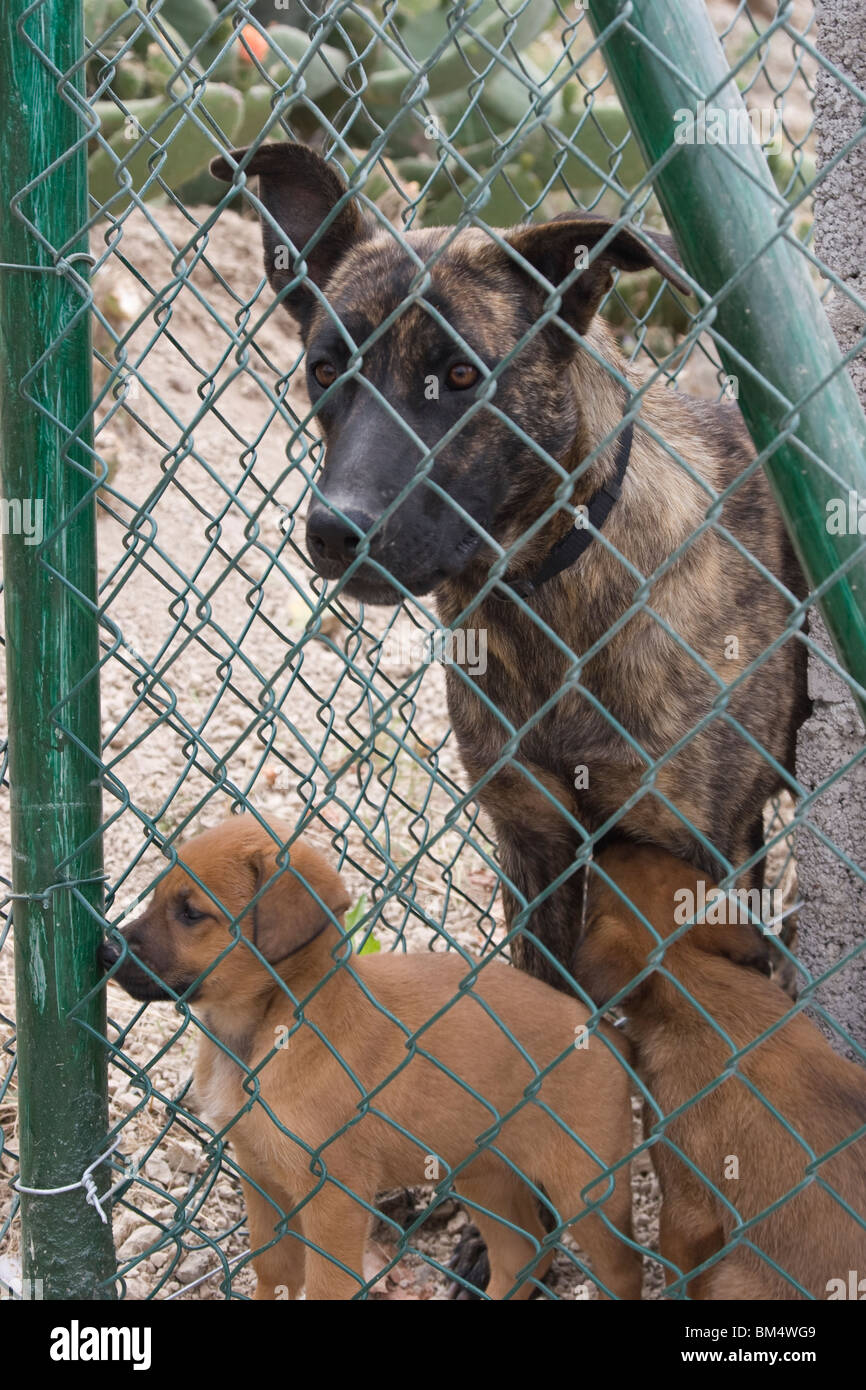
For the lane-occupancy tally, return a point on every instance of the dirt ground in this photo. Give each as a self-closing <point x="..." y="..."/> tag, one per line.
<point x="223" y="681"/>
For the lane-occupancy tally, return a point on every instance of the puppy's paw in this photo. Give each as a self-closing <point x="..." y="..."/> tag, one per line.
<point x="470" y="1262"/>
<point x="748" y="946"/>
<point x="786" y="975"/>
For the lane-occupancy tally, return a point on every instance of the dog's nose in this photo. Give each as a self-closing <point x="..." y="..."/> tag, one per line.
<point x="335" y="538"/>
<point x="108" y="954"/>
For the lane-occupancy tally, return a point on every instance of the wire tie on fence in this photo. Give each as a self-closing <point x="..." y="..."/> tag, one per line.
<point x="60" y="266"/>
<point x="87" y="1181"/>
<point x="42" y="896"/>
<point x="13" y="265"/>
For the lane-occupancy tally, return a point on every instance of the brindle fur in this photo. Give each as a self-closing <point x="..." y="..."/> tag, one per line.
<point x="655" y="687"/>
<point x="647" y="681"/>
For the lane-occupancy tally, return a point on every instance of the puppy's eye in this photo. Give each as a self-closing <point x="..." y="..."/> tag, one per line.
<point x="461" y="376"/>
<point x="189" y="914"/>
<point x="325" y="373"/>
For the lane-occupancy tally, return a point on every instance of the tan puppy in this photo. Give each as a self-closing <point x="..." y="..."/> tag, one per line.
<point x="363" y="1091"/>
<point x="731" y="1135"/>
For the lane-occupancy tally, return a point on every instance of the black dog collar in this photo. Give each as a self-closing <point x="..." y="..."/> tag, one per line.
<point x="576" y="541"/>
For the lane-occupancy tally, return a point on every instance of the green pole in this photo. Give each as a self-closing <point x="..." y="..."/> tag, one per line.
<point x="52" y="650"/>
<point x="722" y="205"/>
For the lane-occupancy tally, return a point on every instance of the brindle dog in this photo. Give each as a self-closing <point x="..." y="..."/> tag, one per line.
<point x="705" y="710"/>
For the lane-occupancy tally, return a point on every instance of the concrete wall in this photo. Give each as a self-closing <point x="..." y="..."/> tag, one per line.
<point x="833" y="920"/>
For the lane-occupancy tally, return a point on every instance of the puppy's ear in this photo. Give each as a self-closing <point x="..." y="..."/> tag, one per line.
<point x="299" y="191"/>
<point x="287" y="916"/>
<point x="557" y="248"/>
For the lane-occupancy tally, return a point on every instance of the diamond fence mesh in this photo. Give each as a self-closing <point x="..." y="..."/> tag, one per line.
<point x="234" y="678"/>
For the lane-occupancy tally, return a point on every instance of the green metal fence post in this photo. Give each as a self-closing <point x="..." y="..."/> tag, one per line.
<point x="722" y="204"/>
<point x="52" y="648"/>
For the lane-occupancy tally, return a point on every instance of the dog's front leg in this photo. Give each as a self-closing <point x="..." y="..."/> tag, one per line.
<point x="531" y="859"/>
<point x="336" y="1228"/>
<point x="279" y="1267"/>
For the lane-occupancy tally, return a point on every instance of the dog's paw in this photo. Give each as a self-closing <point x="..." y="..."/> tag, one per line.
<point x="471" y="1264"/>
<point x="786" y="975"/>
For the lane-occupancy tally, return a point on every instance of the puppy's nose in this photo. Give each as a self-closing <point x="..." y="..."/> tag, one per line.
<point x="108" y="954"/>
<point x="335" y="538"/>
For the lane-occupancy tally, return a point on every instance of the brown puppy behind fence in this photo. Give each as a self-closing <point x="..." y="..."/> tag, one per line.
<point x="461" y="1072"/>
<point x="755" y="1133"/>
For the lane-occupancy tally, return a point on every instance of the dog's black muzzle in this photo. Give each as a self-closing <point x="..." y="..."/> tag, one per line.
<point x="424" y="541"/>
<point x="131" y="976"/>
<point x="418" y="556"/>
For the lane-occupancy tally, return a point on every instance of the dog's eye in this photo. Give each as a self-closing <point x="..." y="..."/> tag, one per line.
<point x="325" y="373"/>
<point x="189" y="914"/>
<point x="461" y="376"/>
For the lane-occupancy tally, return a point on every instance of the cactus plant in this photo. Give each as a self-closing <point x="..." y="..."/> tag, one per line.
<point x="141" y="75"/>
<point x="170" y="150"/>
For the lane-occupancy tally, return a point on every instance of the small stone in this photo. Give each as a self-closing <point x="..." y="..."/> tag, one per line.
<point x="182" y="1158"/>
<point x="193" y="1267"/>
<point x="136" y="1289"/>
<point x="143" y="1236"/>
<point x="155" y="1207"/>
<point x="158" y="1171"/>
<point x="124" y="1223"/>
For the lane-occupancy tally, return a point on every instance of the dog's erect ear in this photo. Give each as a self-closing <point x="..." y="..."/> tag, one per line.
<point x="299" y="191"/>
<point x="557" y="248"/>
<point x="287" y="916"/>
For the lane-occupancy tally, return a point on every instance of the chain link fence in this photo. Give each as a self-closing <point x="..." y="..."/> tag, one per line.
<point x="232" y="677"/>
